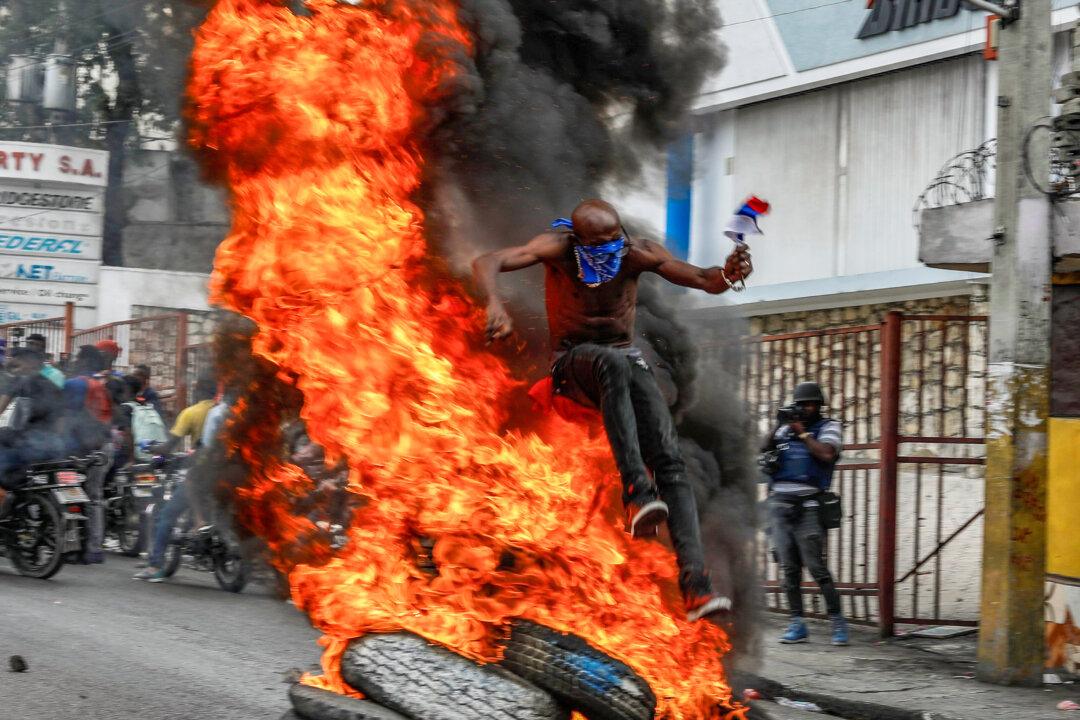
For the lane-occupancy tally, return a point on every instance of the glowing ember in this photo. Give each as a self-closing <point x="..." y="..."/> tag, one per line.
<point x="314" y="121"/>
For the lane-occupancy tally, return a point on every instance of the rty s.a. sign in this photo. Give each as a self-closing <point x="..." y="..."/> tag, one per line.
<point x="888" y="15"/>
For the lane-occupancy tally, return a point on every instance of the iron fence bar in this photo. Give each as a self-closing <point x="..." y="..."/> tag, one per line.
<point x="919" y="460"/>
<point x="915" y="540"/>
<point x="942" y="545"/>
<point x="807" y="333"/>
<point x="890" y="417"/>
<point x="866" y="537"/>
<point x="936" y="440"/>
<point x="935" y="621"/>
<point x="937" y="540"/>
<point x="949" y="318"/>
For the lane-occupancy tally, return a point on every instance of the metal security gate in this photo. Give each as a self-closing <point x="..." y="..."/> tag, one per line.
<point x="909" y="394"/>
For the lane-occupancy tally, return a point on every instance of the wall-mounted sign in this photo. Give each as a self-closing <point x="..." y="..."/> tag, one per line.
<point x="889" y="15"/>
<point x="13" y="242"/>
<point x="52" y="211"/>
<point x="48" y="269"/>
<point x="54" y="163"/>
<point x="48" y="293"/>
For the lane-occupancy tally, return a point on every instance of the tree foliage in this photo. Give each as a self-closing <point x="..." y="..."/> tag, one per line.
<point x="131" y="58"/>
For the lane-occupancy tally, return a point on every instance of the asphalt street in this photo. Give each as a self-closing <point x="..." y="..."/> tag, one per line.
<point x="101" y="645"/>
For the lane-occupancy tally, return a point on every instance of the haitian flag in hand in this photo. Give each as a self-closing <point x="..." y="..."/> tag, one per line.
<point x="745" y="220"/>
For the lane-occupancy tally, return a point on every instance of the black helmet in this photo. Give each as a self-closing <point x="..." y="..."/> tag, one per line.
<point x="809" y="392"/>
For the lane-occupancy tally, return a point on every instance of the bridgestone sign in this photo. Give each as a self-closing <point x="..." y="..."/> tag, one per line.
<point x="52" y="207"/>
<point x="889" y="15"/>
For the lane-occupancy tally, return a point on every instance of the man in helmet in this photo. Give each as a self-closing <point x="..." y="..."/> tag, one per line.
<point x="806" y="446"/>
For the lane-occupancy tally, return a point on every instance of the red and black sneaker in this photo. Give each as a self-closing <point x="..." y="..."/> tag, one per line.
<point x="701" y="600"/>
<point x="644" y="519"/>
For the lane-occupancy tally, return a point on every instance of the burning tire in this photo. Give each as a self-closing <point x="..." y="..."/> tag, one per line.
<point x="426" y="682"/>
<point x="310" y="703"/>
<point x="578" y="675"/>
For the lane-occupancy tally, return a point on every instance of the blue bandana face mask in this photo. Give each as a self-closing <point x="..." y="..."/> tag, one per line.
<point x="597" y="264"/>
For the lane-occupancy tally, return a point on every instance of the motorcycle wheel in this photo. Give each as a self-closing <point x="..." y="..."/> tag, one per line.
<point x="35" y="539"/>
<point x="130" y="533"/>
<point x="230" y="570"/>
<point x="173" y="556"/>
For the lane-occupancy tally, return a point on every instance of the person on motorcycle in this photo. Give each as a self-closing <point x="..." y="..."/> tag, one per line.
<point x="88" y="421"/>
<point x="188" y="427"/>
<point x="36" y="342"/>
<point x="138" y="422"/>
<point x="35" y="404"/>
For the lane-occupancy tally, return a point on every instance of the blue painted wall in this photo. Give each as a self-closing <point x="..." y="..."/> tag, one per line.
<point x="680" y="180"/>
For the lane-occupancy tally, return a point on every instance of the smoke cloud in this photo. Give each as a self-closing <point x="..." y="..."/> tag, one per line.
<point x="564" y="98"/>
<point x="557" y="99"/>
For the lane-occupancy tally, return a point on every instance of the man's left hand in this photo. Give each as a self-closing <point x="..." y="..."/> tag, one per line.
<point x="739" y="264"/>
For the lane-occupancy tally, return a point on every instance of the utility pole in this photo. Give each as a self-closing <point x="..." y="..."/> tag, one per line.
<point x="1011" y="635"/>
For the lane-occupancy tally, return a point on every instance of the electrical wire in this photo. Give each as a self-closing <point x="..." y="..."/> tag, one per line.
<point x="62" y="125"/>
<point x="781" y="14"/>
<point x="70" y="22"/>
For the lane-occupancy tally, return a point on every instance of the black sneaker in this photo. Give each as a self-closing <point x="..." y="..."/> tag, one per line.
<point x="645" y="519"/>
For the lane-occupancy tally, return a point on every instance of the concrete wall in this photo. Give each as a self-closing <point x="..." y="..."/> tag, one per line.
<point x="124" y="289"/>
<point x="175" y="219"/>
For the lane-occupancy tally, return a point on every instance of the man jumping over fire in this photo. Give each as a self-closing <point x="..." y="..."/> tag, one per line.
<point x="592" y="266"/>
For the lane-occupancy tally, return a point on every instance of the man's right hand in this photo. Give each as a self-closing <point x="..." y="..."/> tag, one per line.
<point x="499" y="324"/>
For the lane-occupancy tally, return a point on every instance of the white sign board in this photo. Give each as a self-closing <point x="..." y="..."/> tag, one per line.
<point x="53" y="246"/>
<point x="19" y="312"/>
<point x="67" y="211"/>
<point x="34" y="162"/>
<point x="47" y="293"/>
<point x="48" y="270"/>
<point x="52" y="213"/>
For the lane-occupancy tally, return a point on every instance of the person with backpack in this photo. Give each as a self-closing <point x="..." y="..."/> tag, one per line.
<point x="801" y="455"/>
<point x="90" y="411"/>
<point x="139" y="422"/>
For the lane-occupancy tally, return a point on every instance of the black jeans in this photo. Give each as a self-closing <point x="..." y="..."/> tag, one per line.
<point x="799" y="538"/>
<point x="642" y="434"/>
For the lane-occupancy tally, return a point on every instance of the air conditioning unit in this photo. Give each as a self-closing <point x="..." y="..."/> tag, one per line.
<point x="25" y="77"/>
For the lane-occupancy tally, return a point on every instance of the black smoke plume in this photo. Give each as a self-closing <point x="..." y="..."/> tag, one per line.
<point x="559" y="99"/>
<point x="566" y="98"/>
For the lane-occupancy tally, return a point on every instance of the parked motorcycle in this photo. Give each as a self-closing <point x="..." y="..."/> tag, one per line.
<point x="209" y="548"/>
<point x="42" y="520"/>
<point x="127" y="496"/>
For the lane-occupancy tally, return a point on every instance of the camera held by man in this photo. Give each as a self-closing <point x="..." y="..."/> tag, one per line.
<point x="799" y="457"/>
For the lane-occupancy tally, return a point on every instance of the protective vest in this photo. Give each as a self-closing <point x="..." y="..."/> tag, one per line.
<point x="799" y="466"/>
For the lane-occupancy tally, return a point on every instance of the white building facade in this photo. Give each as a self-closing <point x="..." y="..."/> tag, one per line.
<point x="841" y="133"/>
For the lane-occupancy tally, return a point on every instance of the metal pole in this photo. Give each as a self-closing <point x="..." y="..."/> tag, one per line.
<point x="69" y="328"/>
<point x="1011" y="635"/>
<point x="181" y="362"/>
<point x="890" y="431"/>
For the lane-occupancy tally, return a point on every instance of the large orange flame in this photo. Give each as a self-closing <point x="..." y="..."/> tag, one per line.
<point x="315" y="122"/>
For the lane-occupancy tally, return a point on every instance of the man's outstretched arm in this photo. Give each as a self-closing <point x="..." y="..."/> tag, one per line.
<point x="714" y="280"/>
<point x="486" y="269"/>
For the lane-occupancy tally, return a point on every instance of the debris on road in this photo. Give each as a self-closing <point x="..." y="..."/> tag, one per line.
<point x="17" y="663"/>
<point x="799" y="705"/>
<point x="750" y="694"/>
<point x="1067" y="705"/>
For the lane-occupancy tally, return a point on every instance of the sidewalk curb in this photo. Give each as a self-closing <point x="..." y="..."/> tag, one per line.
<point x="833" y="705"/>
